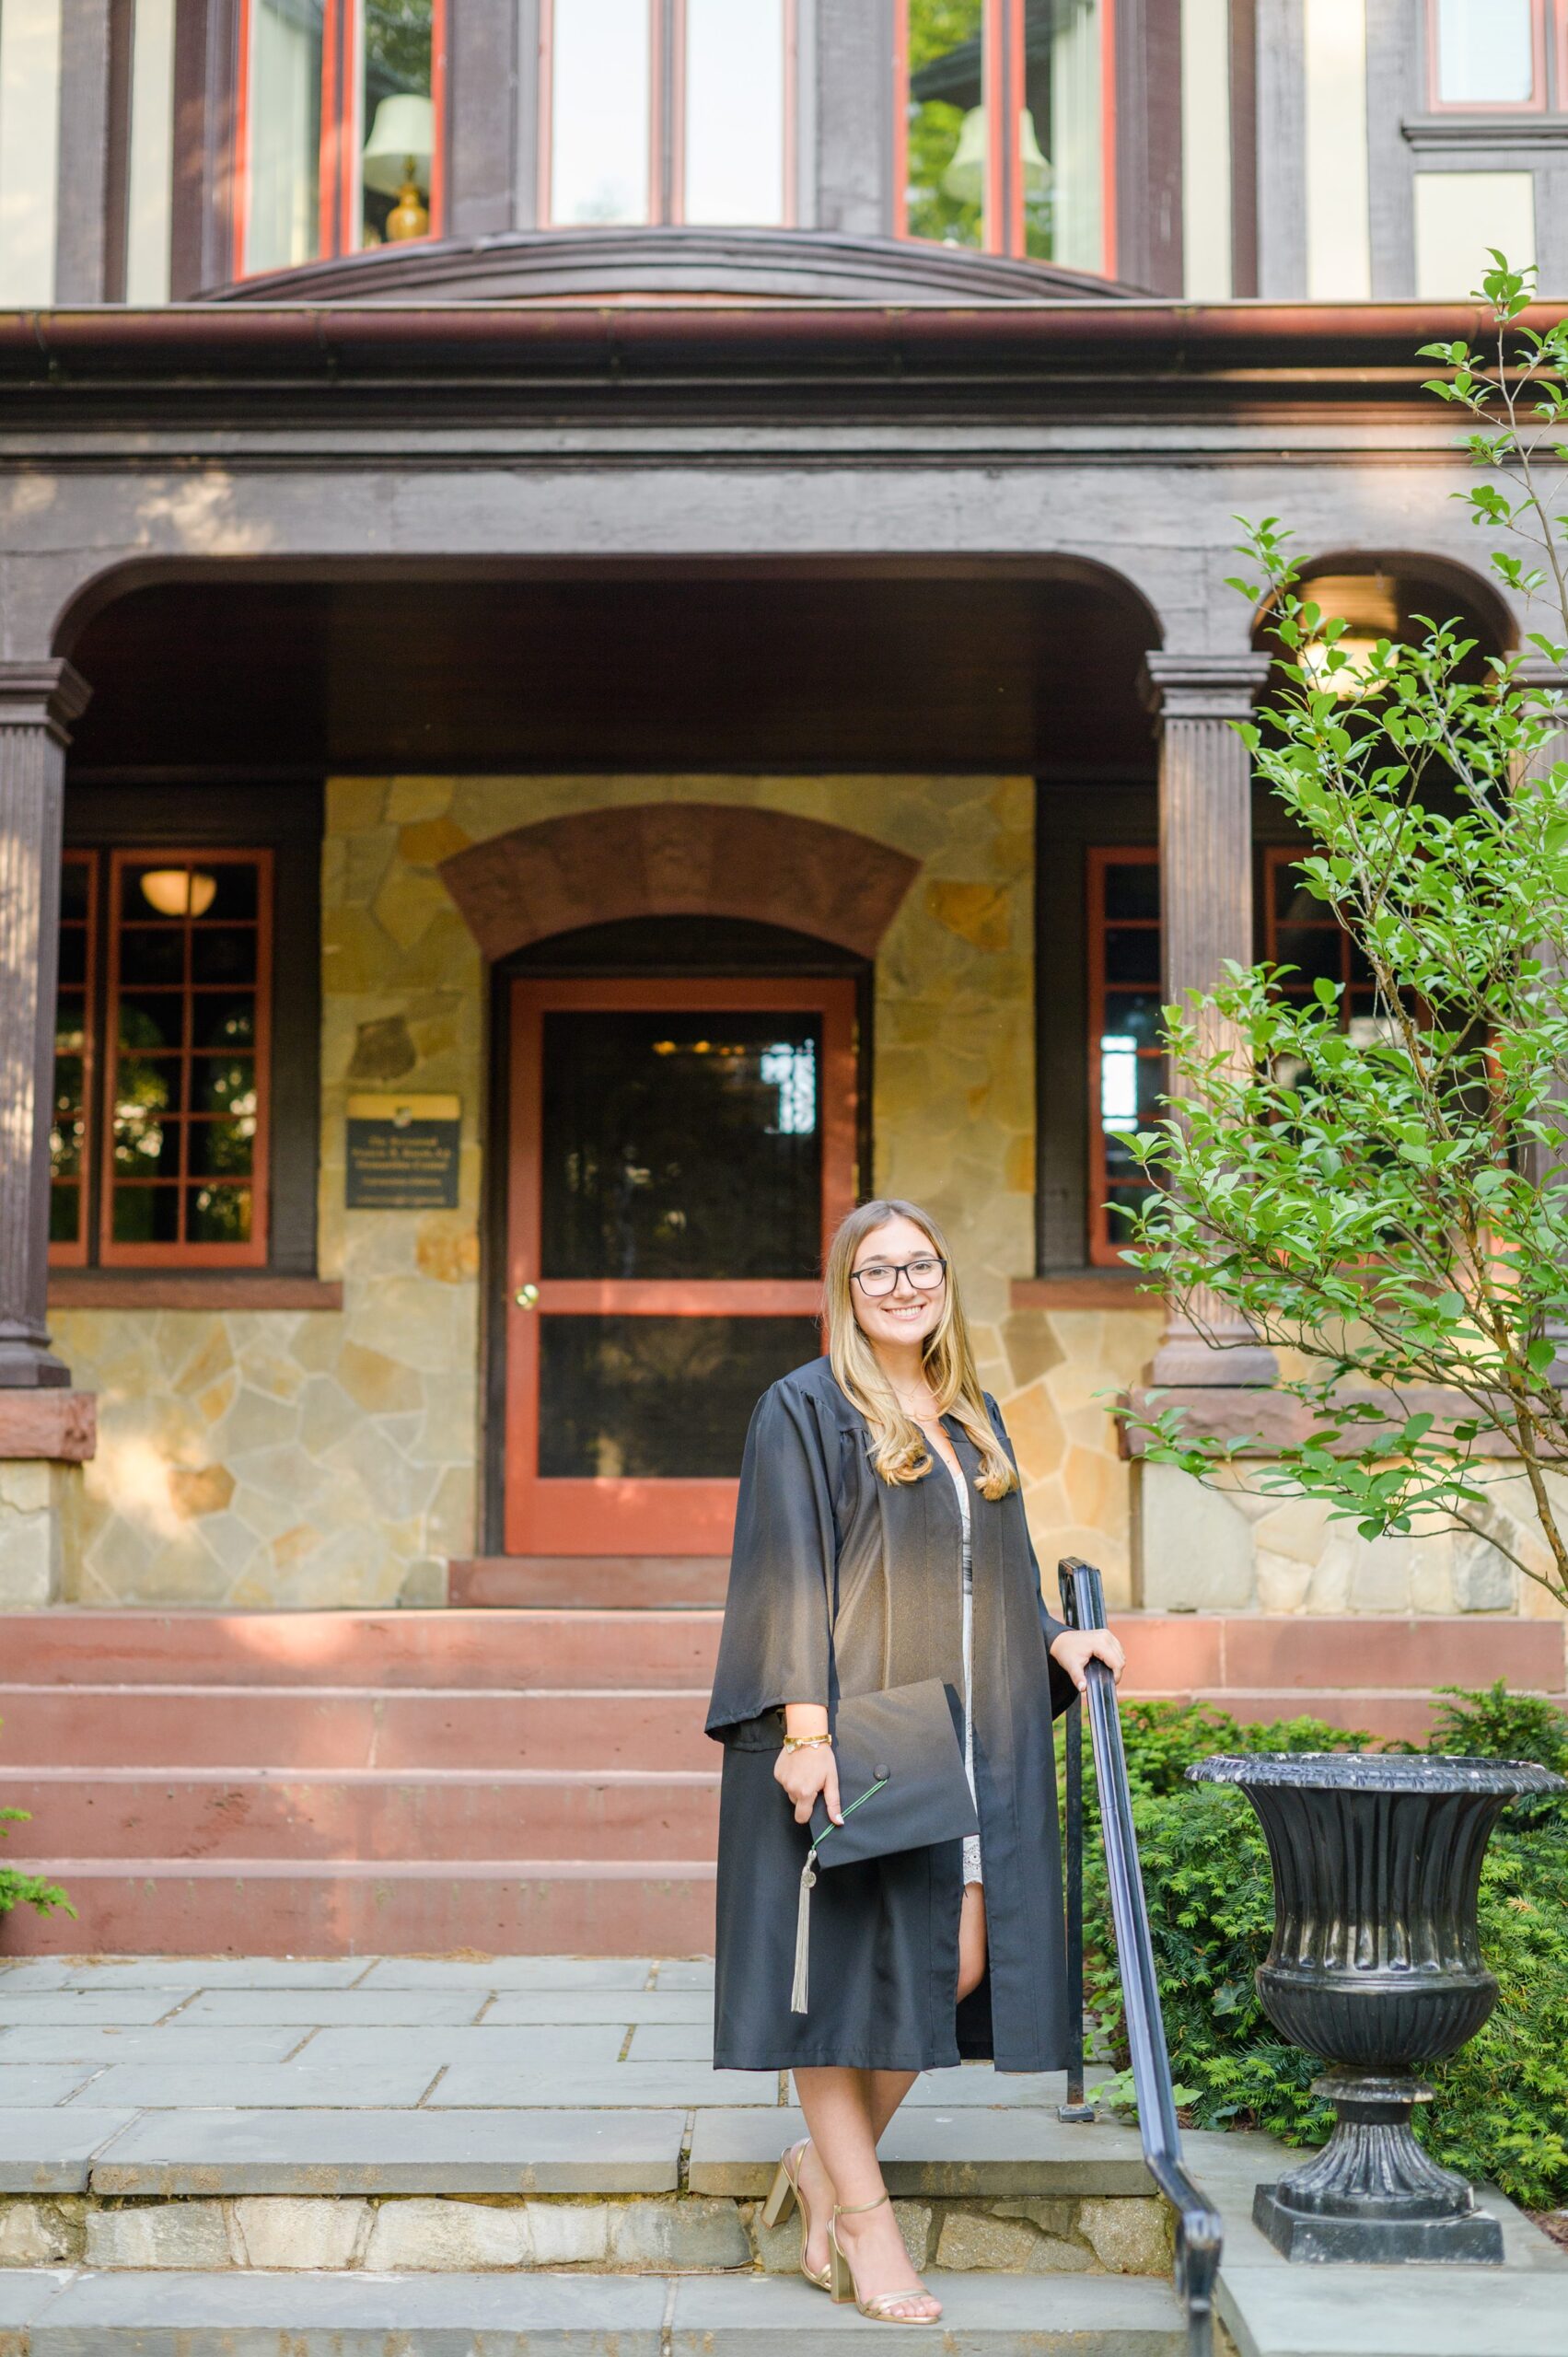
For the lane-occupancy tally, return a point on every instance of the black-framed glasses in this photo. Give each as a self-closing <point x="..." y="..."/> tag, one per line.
<point x="882" y="1276"/>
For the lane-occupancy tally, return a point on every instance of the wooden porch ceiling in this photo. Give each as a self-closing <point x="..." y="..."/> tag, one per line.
<point x="718" y="671"/>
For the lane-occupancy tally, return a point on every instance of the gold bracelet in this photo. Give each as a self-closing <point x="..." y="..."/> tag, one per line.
<point x="804" y="1741"/>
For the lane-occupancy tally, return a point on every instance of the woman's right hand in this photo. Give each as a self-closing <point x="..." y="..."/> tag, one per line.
<point x="803" y="1774"/>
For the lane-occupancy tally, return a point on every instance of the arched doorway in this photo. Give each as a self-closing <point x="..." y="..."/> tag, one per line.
<point x="679" y="1127"/>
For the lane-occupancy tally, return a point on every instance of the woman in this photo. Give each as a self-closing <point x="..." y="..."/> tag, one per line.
<point x="880" y="1540"/>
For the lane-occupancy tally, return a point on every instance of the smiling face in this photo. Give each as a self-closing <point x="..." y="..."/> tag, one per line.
<point x="906" y="1316"/>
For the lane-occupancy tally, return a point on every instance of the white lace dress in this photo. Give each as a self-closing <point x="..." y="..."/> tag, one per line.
<point x="972" y="1841"/>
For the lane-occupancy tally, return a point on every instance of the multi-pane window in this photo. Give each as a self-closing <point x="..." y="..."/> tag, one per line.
<point x="667" y="110"/>
<point x="1001" y="108"/>
<point x="340" y="143"/>
<point x="162" y="1076"/>
<point x="1126" y="1063"/>
<point x="1491" y="54"/>
<point x="74" y="1007"/>
<point x="1302" y="932"/>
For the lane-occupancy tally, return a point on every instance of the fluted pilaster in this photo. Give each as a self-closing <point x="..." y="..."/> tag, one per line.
<point x="1205" y="806"/>
<point x="37" y="703"/>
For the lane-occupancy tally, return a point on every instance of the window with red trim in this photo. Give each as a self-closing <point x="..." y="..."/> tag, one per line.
<point x="1042" y="71"/>
<point x="1302" y="932"/>
<point x="667" y="110"/>
<point x="1126" y="1064"/>
<point x="1490" y="56"/>
<point x="162" y="1079"/>
<point x="74" y="1007"/>
<point x="340" y="130"/>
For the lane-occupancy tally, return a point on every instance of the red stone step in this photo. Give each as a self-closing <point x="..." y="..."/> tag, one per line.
<point x="607" y="1582"/>
<point x="247" y="1813"/>
<point x="302" y="1728"/>
<point x="554" y="1647"/>
<point x="1404" y="1716"/>
<point x="355" y="1907"/>
<point x="1189" y="1652"/>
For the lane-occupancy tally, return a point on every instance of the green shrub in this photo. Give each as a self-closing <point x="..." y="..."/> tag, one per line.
<point x="27" y="1890"/>
<point x="1501" y="2105"/>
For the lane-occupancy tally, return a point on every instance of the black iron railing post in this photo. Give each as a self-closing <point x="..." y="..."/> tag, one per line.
<point x="1197" y="2227"/>
<point x="1074" y="2109"/>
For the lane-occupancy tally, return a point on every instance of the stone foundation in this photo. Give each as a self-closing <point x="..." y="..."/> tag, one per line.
<point x="1224" y="1547"/>
<point x="1110" y="2235"/>
<point x="41" y="1525"/>
<point x="46" y="1436"/>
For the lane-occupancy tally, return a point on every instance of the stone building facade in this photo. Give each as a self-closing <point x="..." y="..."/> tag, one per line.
<point x="846" y="576"/>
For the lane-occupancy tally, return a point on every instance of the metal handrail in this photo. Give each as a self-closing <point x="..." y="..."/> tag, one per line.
<point x="1199" y="2234"/>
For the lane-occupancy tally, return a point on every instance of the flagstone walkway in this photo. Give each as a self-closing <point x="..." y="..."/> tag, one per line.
<point x="316" y="2155"/>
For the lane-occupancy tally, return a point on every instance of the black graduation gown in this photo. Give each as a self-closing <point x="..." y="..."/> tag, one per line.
<point x="841" y="1583"/>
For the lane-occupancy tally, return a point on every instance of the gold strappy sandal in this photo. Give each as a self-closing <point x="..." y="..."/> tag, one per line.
<point x="786" y="2195"/>
<point x="882" y="2306"/>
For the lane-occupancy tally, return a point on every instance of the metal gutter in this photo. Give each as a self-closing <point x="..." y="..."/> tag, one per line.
<point x="650" y="339"/>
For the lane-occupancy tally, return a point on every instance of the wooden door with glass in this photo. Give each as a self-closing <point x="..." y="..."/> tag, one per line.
<point x="680" y="1151"/>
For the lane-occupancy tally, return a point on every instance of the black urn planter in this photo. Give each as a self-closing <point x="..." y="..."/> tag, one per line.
<point x="1375" y="1967"/>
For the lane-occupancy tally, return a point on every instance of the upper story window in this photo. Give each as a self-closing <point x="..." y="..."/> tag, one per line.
<point x="340" y="144"/>
<point x="667" y="110"/>
<point x="1002" y="110"/>
<point x="1488" y="54"/>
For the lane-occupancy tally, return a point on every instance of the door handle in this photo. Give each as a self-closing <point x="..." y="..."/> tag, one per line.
<point x="526" y="1297"/>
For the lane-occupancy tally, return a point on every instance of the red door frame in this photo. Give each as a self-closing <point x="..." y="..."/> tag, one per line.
<point x="643" y="1517"/>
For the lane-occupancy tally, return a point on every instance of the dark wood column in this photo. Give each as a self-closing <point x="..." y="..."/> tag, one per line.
<point x="1205" y="803"/>
<point x="37" y="703"/>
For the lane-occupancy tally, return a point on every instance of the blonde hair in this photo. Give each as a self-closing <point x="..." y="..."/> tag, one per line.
<point x="898" y="1449"/>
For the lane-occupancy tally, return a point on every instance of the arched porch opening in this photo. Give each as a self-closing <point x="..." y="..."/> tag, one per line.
<point x="476" y="766"/>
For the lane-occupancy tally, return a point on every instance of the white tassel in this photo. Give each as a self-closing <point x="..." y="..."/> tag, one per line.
<point x="799" y="1995"/>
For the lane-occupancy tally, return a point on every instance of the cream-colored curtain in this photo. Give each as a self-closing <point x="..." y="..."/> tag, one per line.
<point x="285" y="132"/>
<point x="1075" y="144"/>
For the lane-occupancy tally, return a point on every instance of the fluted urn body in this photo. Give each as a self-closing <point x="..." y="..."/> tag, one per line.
<point x="1376" y="1966"/>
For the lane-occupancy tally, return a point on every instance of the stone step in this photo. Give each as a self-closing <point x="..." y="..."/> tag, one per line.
<point x="607" y="1583"/>
<point x="450" y="1648"/>
<point x="1244" y="1662"/>
<point x="366" y="1813"/>
<point x="371" y="1907"/>
<point x="67" y="2313"/>
<point x="323" y="1726"/>
<point x="938" y="2148"/>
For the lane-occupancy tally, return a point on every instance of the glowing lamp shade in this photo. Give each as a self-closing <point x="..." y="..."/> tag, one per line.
<point x="179" y="891"/>
<point x="1349" y="677"/>
<point x="965" y="176"/>
<point x="402" y="142"/>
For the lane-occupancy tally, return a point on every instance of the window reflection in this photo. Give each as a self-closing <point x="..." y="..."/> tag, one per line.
<point x="600" y="107"/>
<point x="1060" y="165"/>
<point x="792" y="1070"/>
<point x="1485" y="53"/>
<point x="659" y="1399"/>
<point x="949" y="143"/>
<point x="397" y="166"/>
<point x="681" y="1145"/>
<point x="1126" y="1063"/>
<point x="1042" y="194"/>
<point x="284" y="133"/>
<point x="735" y="111"/>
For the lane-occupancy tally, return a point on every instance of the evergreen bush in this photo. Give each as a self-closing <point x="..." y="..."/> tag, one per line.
<point x="1499" y="2111"/>
<point x="27" y="1890"/>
